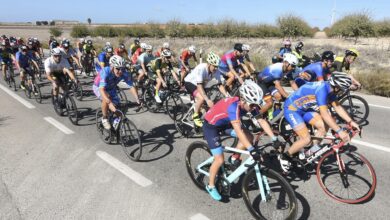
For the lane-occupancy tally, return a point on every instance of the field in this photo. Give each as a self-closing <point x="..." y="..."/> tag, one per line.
<point x="374" y="60"/>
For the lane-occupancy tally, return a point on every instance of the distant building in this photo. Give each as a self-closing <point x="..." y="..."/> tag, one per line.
<point x="64" y="22"/>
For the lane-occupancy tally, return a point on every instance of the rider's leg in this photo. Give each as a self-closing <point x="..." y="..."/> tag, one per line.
<point x="230" y="80"/>
<point x="22" y="78"/>
<point x="198" y="102"/>
<point x="141" y="75"/>
<point x="313" y="118"/>
<point x="4" y="69"/>
<point x="134" y="92"/>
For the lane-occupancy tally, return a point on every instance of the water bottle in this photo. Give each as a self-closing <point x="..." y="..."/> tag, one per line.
<point x="115" y="123"/>
<point x="301" y="154"/>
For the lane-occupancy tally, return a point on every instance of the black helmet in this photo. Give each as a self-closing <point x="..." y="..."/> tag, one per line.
<point x="54" y="44"/>
<point x="328" y="55"/>
<point x="65" y="44"/>
<point x="238" y="46"/>
<point x="108" y="49"/>
<point x="122" y="46"/>
<point x="89" y="42"/>
<point x="299" y="45"/>
<point x="136" y="40"/>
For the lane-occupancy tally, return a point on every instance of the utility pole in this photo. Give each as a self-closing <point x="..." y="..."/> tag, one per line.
<point x="333" y="13"/>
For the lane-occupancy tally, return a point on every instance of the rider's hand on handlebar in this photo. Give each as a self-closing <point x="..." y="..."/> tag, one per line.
<point x="344" y="136"/>
<point x="164" y="84"/>
<point x="354" y="125"/>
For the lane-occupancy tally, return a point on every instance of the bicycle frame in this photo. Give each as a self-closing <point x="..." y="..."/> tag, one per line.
<point x="248" y="163"/>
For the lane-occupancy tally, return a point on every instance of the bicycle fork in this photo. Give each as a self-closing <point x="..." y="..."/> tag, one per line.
<point x="262" y="182"/>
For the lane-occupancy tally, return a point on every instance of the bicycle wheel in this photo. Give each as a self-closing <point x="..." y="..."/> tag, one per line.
<point x="28" y="89"/>
<point x="197" y="153"/>
<point x="71" y="109"/>
<point x="12" y="77"/>
<point x="130" y="140"/>
<point x="214" y="94"/>
<point x="150" y="102"/>
<point x="354" y="183"/>
<point x="122" y="97"/>
<point x="281" y="202"/>
<point x="37" y="93"/>
<point x="357" y="107"/>
<point x="104" y="134"/>
<point x="77" y="91"/>
<point x="184" y="123"/>
<point x="56" y="103"/>
<point x="173" y="104"/>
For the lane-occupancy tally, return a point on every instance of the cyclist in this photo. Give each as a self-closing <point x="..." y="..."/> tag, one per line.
<point x="105" y="86"/>
<point x="37" y="46"/>
<point x="134" y="46"/>
<point x="56" y="69"/>
<point x="143" y="61"/>
<point x="69" y="54"/>
<point x="104" y="57"/>
<point x="53" y="44"/>
<point x="270" y="78"/>
<point x="225" y="116"/>
<point x="89" y="53"/>
<point x="184" y="58"/>
<point x="161" y="66"/>
<point x="139" y="51"/>
<point x="286" y="49"/>
<point x="245" y="50"/>
<point x="318" y="71"/>
<point x="344" y="63"/>
<point x="6" y="57"/>
<point x="196" y="81"/>
<point x="23" y="60"/>
<point x="309" y="104"/>
<point x="230" y="61"/>
<point x="79" y="45"/>
<point x="51" y="38"/>
<point x="121" y="51"/>
<point x="298" y="53"/>
<point x="164" y="47"/>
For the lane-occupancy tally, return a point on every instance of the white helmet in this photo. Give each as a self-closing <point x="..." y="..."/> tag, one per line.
<point x="166" y="45"/>
<point x="82" y="40"/>
<point x="117" y="61"/>
<point x="290" y="58"/>
<point x="213" y="59"/>
<point x="56" y="51"/>
<point x="166" y="53"/>
<point x="148" y="47"/>
<point x="108" y="44"/>
<point x="341" y="80"/>
<point x="192" y="49"/>
<point x="287" y="42"/>
<point x="246" y="47"/>
<point x="143" y="45"/>
<point x="251" y="92"/>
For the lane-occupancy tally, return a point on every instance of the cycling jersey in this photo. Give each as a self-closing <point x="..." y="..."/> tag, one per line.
<point x="308" y="99"/>
<point x="5" y="55"/>
<point x="227" y="59"/>
<point x="311" y="73"/>
<point x="299" y="56"/>
<point x="107" y="79"/>
<point x="284" y="50"/>
<point x="68" y="55"/>
<point x="133" y="48"/>
<point x="88" y="48"/>
<point x="339" y="64"/>
<point x="145" y="58"/>
<point x="24" y="59"/>
<point x="135" y="55"/>
<point x="102" y="58"/>
<point x="186" y="55"/>
<point x="123" y="54"/>
<point x="271" y="73"/>
<point x="52" y="67"/>
<point x="157" y="64"/>
<point x="200" y="74"/>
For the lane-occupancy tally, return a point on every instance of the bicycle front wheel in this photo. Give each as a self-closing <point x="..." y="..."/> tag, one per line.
<point x="37" y="93"/>
<point x="173" y="105"/>
<point x="77" y="91"/>
<point x="197" y="153"/>
<point x="349" y="179"/>
<point x="357" y="108"/>
<point x="71" y="109"/>
<point x="280" y="201"/>
<point x="130" y="140"/>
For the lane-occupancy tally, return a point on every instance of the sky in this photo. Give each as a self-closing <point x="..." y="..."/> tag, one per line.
<point x="316" y="13"/>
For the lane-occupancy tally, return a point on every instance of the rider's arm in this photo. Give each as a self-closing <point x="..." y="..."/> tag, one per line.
<point x="279" y="87"/>
<point x="294" y="85"/>
<point x="240" y="133"/>
<point x="222" y="89"/>
<point x="70" y="73"/>
<point x="268" y="104"/>
<point x="328" y="119"/>
<point x="35" y="64"/>
<point x="344" y="115"/>
<point x="158" y="72"/>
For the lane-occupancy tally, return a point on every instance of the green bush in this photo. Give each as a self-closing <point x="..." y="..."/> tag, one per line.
<point x="382" y="28"/>
<point x="294" y="26"/>
<point x="354" y="25"/>
<point x="79" y="31"/>
<point x="175" y="28"/>
<point x="156" y="31"/>
<point x="264" y="30"/>
<point x="56" y="32"/>
<point x="376" y="81"/>
<point x="105" y="31"/>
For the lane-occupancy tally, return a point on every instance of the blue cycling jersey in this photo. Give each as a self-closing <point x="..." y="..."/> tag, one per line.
<point x="24" y="59"/>
<point x="103" y="59"/>
<point x="284" y="50"/>
<point x="109" y="81"/>
<point x="271" y="73"/>
<point x="316" y="71"/>
<point x="229" y="59"/>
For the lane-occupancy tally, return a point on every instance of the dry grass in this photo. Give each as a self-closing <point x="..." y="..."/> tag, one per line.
<point x="376" y="82"/>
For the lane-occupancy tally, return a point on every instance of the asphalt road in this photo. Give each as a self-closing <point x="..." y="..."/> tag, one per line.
<point x="48" y="174"/>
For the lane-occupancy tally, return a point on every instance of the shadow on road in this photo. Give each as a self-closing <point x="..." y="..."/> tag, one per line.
<point x="3" y="119"/>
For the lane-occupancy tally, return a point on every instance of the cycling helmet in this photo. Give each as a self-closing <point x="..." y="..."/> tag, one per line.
<point x="246" y="47"/>
<point x="166" y="45"/>
<point x="286" y="42"/>
<point x="192" y="49"/>
<point x="23" y="47"/>
<point x="82" y="40"/>
<point x="166" y="53"/>
<point x="251" y="92"/>
<point x="122" y="46"/>
<point x="143" y="45"/>
<point x="148" y="47"/>
<point x="136" y="40"/>
<point x="54" y="44"/>
<point x="3" y="43"/>
<point x="108" y="49"/>
<point x="290" y="58"/>
<point x="352" y="52"/>
<point x="117" y="61"/>
<point x="31" y="43"/>
<point x="89" y="42"/>
<point x="213" y="59"/>
<point x="55" y="51"/>
<point x="108" y="44"/>
<point x="65" y="45"/>
<point x="328" y="55"/>
<point x="341" y="80"/>
<point x="299" y="45"/>
<point x="238" y="47"/>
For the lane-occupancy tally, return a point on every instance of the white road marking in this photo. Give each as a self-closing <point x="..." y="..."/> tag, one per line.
<point x="199" y="216"/>
<point x="375" y="146"/>
<point x="18" y="98"/>
<point x="379" y="106"/>
<point x="58" y="125"/>
<point x="123" y="168"/>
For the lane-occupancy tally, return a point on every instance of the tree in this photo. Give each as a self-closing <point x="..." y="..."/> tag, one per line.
<point x="56" y="32"/>
<point x="294" y="26"/>
<point x="176" y="29"/>
<point x="89" y="21"/>
<point x="79" y="31"/>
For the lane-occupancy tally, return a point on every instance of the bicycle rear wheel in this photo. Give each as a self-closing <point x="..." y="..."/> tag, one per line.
<point x="197" y="153"/>
<point x="130" y="140"/>
<point x="357" y="108"/>
<point x="173" y="105"/>
<point x="281" y="202"/>
<point x="71" y="109"/>
<point x="353" y="180"/>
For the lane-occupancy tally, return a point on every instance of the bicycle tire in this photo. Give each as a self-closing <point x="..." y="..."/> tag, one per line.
<point x="71" y="109"/>
<point x="288" y="204"/>
<point x="150" y="102"/>
<point x="122" y="97"/>
<point x="105" y="135"/>
<point x="353" y="109"/>
<point x="37" y="93"/>
<point x="27" y="90"/>
<point x="329" y="160"/>
<point x="130" y="140"/>
<point x="173" y="108"/>
<point x="199" y="179"/>
<point x="77" y="91"/>
<point x="57" y="106"/>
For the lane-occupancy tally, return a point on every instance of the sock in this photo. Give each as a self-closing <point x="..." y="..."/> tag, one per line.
<point x="156" y="93"/>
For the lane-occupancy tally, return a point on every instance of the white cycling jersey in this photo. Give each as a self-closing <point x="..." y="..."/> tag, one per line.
<point x="51" y="66"/>
<point x="200" y="74"/>
<point x="145" y="58"/>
